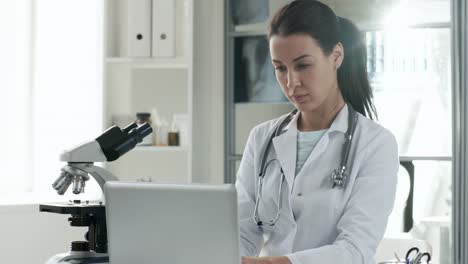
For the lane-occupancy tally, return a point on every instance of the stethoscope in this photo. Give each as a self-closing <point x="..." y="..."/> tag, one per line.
<point x="339" y="177"/>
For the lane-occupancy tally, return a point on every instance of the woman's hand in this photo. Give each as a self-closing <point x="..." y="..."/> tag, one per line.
<point x="265" y="260"/>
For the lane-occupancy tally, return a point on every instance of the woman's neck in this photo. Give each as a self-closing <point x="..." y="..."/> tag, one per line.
<point x="322" y="117"/>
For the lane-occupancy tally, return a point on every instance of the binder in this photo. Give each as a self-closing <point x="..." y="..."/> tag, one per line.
<point x="163" y="28"/>
<point x="139" y="28"/>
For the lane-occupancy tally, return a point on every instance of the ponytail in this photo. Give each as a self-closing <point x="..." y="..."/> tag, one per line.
<point x="352" y="75"/>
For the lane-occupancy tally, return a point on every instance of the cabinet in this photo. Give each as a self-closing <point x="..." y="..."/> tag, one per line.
<point x="252" y="92"/>
<point x="138" y="83"/>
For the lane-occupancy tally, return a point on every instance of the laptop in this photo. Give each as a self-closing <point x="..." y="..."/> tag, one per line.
<point x="167" y="223"/>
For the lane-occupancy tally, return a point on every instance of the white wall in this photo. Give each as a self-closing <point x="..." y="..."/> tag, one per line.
<point x="208" y="92"/>
<point x="29" y="236"/>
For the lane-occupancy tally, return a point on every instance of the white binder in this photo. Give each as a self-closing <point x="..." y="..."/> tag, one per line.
<point x="139" y="28"/>
<point x="163" y="28"/>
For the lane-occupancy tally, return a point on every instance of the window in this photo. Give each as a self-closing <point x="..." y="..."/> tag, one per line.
<point x="51" y="95"/>
<point x="409" y="65"/>
<point x="417" y="76"/>
<point x="15" y="72"/>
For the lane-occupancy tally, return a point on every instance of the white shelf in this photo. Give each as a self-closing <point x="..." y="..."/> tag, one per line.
<point x="169" y="63"/>
<point x="136" y="84"/>
<point x="258" y="27"/>
<point x="162" y="148"/>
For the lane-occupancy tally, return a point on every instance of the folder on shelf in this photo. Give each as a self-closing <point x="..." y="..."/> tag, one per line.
<point x="163" y="28"/>
<point x="139" y="28"/>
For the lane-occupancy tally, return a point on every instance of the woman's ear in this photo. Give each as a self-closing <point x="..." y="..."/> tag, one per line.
<point x="338" y="55"/>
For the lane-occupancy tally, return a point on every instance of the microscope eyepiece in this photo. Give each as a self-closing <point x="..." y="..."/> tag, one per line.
<point x="139" y="133"/>
<point x="129" y="128"/>
<point x="115" y="142"/>
<point x="144" y="130"/>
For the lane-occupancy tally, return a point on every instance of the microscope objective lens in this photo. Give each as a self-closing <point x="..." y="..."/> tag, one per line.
<point x="63" y="188"/>
<point x="78" y="186"/>
<point x="60" y="181"/>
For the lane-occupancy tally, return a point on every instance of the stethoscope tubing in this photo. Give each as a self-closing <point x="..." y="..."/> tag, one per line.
<point x="276" y="132"/>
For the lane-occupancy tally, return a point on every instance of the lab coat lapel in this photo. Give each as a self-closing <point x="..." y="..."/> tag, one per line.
<point x="340" y="124"/>
<point x="285" y="148"/>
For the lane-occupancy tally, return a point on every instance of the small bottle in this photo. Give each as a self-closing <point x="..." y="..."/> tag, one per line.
<point x="173" y="135"/>
<point x="143" y="118"/>
<point x="156" y="121"/>
<point x="162" y="133"/>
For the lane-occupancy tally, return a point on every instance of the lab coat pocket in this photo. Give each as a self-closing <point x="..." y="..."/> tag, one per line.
<point x="323" y="205"/>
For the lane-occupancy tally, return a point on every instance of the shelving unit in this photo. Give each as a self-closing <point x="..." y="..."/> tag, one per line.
<point x="252" y="93"/>
<point x="139" y="84"/>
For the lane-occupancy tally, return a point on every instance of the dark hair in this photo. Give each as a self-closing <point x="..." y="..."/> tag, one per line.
<point x="320" y="22"/>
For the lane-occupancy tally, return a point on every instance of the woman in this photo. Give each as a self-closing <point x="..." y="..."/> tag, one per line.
<point x="319" y="216"/>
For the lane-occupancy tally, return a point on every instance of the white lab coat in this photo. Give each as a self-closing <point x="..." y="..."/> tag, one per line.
<point x="319" y="224"/>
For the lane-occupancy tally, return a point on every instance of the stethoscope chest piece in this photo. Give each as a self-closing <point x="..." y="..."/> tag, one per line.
<point x="339" y="178"/>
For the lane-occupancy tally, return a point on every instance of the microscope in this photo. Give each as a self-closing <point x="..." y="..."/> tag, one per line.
<point x="109" y="146"/>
